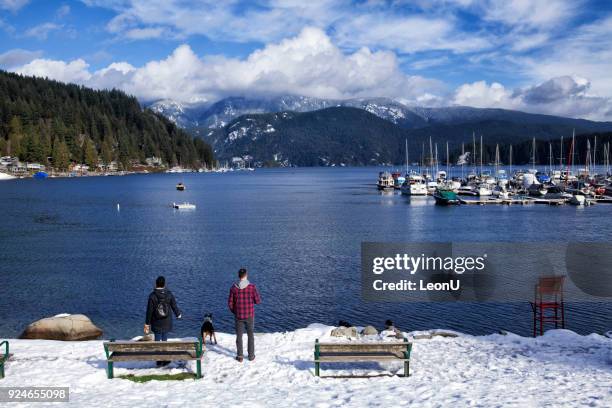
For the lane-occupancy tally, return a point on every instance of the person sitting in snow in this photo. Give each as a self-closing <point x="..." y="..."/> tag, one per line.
<point x="391" y="330"/>
<point x="243" y="296"/>
<point x="159" y="317"/>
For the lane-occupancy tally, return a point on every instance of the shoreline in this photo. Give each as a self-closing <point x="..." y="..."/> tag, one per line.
<point x="493" y="369"/>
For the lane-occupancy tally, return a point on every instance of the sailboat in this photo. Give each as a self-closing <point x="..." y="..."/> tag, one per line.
<point x="414" y="184"/>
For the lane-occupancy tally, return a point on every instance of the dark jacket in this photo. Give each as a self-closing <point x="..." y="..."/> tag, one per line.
<point x="156" y="297"/>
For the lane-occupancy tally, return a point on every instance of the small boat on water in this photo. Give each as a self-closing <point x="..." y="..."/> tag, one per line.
<point x="445" y="196"/>
<point x="385" y="181"/>
<point x="183" y="206"/>
<point x="180" y="187"/>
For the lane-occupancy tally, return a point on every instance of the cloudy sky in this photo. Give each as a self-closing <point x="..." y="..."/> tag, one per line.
<point x="549" y="56"/>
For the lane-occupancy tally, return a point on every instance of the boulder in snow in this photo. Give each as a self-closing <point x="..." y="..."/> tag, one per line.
<point x="344" y="332"/>
<point x="64" y="327"/>
<point x="369" y="331"/>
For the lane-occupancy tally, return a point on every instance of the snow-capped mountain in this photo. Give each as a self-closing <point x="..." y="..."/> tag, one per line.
<point x="201" y="117"/>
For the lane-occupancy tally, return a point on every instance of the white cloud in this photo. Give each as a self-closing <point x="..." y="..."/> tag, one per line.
<point x="42" y="31"/>
<point x="564" y="96"/>
<point x="406" y="34"/>
<point x="534" y="13"/>
<point x="73" y="71"/>
<point x="13" y="5"/>
<point x="308" y="64"/>
<point x="17" y="56"/>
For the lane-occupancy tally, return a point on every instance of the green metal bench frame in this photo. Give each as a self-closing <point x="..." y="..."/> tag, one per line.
<point x="355" y="355"/>
<point x="5" y="357"/>
<point x="198" y="358"/>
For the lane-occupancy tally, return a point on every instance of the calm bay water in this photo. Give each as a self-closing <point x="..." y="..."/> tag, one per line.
<point x="64" y="247"/>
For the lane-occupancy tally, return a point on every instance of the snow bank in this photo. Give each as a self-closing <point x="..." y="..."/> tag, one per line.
<point x="4" y="176"/>
<point x="559" y="369"/>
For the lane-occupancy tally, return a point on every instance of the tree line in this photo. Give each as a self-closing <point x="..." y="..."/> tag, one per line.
<point x="54" y="123"/>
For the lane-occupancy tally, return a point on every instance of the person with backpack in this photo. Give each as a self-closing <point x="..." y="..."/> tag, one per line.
<point x="159" y="311"/>
<point x="243" y="296"/>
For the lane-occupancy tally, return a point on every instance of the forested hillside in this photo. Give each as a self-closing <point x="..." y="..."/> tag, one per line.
<point x="53" y="123"/>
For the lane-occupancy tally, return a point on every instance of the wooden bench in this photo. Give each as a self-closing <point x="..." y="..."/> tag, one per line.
<point x="153" y="351"/>
<point x="4" y="357"/>
<point x="359" y="352"/>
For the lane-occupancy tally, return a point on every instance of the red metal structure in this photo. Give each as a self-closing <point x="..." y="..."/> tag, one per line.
<point x="548" y="303"/>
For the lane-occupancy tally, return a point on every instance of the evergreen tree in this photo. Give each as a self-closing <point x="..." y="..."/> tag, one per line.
<point x="15" y="136"/>
<point x="90" y="155"/>
<point x="61" y="155"/>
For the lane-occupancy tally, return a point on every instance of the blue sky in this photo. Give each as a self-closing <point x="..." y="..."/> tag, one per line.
<point x="550" y="56"/>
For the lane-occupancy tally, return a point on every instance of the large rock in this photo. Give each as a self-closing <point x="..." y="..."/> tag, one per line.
<point x="62" y="327"/>
<point x="344" y="332"/>
<point x="369" y="331"/>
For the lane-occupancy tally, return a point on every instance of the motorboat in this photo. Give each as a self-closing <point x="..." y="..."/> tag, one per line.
<point x="444" y="196"/>
<point x="180" y="187"/>
<point x="414" y="185"/>
<point x="385" y="181"/>
<point x="555" y="193"/>
<point x="183" y="206"/>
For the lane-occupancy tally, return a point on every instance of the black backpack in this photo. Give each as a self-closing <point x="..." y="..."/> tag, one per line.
<point x="162" y="310"/>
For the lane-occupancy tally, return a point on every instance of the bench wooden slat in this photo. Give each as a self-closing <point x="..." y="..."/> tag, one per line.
<point x="152" y="356"/>
<point x="361" y="352"/>
<point x="347" y="358"/>
<point x="136" y="346"/>
<point x="363" y="348"/>
<point x="118" y="351"/>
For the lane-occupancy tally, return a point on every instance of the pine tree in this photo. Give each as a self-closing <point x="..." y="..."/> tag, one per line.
<point x="61" y="155"/>
<point x="90" y="155"/>
<point x="15" y="137"/>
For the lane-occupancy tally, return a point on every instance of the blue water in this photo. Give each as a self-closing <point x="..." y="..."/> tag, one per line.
<point x="64" y="247"/>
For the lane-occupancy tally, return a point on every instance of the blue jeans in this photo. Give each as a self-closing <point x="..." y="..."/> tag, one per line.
<point x="161" y="336"/>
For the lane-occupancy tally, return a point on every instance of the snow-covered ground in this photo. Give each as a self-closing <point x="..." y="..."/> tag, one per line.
<point x="559" y="369"/>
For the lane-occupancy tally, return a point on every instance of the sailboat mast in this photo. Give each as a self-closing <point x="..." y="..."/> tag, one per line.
<point x="481" y="155"/>
<point x="447" y="160"/>
<point x="437" y="166"/>
<point x="561" y="155"/>
<point x="550" y="158"/>
<point x="510" y="161"/>
<point x="406" y="156"/>
<point x="463" y="157"/>
<point x="533" y="154"/>
<point x="474" y="150"/>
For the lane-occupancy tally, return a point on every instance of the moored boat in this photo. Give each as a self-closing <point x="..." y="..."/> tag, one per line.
<point x="445" y="196"/>
<point x="180" y="187"/>
<point x="183" y="206"/>
<point x="385" y="181"/>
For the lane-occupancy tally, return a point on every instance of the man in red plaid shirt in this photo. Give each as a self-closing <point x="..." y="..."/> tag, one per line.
<point x="243" y="297"/>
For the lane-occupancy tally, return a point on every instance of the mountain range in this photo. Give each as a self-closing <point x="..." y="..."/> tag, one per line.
<point x="298" y="130"/>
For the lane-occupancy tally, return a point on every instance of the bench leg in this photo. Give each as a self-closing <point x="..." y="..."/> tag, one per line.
<point x="198" y="369"/>
<point x="109" y="371"/>
<point x="406" y="368"/>
<point x="317" y="370"/>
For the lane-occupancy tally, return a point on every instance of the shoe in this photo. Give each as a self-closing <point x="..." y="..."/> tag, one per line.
<point x="251" y="358"/>
<point x="239" y="359"/>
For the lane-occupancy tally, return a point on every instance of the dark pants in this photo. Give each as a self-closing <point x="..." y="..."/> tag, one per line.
<point x="160" y="335"/>
<point x="240" y="325"/>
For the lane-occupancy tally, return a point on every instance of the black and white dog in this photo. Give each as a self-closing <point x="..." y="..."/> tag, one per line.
<point x="208" y="329"/>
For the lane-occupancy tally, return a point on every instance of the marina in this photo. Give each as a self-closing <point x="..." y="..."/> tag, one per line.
<point x="567" y="182"/>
